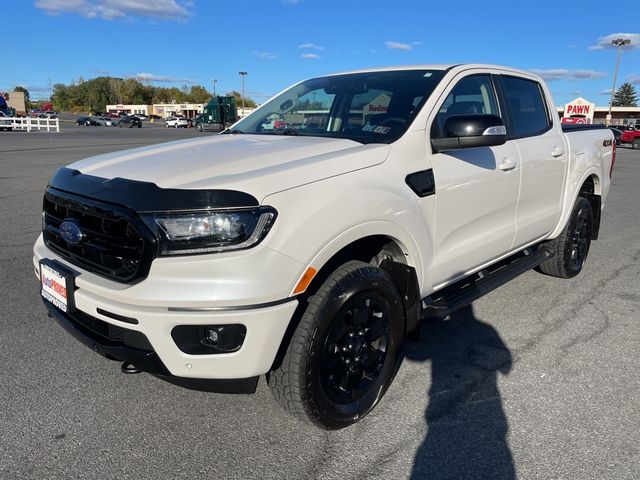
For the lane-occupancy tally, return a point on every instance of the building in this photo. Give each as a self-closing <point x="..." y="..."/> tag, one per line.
<point x="188" y="110"/>
<point x="583" y="111"/>
<point x="129" y="109"/>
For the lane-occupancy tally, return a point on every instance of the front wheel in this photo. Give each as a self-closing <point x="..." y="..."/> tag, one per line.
<point x="199" y="127"/>
<point x="570" y="249"/>
<point x="345" y="351"/>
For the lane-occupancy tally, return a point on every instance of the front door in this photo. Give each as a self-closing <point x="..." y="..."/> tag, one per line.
<point x="476" y="189"/>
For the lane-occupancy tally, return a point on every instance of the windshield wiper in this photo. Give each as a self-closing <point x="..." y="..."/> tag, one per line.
<point x="233" y="132"/>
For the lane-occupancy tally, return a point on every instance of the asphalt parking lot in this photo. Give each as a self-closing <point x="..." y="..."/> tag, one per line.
<point x="538" y="380"/>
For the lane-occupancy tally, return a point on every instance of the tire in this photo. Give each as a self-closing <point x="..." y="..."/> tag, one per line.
<point x="571" y="248"/>
<point x="345" y="350"/>
<point x="636" y="144"/>
<point x="199" y="127"/>
<point x="139" y="126"/>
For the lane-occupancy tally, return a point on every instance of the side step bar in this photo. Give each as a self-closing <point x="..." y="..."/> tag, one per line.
<point x="457" y="295"/>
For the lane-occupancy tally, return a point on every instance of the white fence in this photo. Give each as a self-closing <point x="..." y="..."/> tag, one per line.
<point x="30" y="124"/>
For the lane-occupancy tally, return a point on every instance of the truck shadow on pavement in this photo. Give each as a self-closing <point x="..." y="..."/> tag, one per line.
<point x="467" y="426"/>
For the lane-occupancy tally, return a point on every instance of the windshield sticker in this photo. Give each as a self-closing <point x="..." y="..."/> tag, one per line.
<point x="376" y="129"/>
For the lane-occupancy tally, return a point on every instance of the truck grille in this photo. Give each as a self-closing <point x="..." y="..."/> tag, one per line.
<point x="113" y="245"/>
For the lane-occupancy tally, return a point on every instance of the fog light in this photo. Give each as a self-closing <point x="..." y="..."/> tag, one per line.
<point x="209" y="339"/>
<point x="211" y="334"/>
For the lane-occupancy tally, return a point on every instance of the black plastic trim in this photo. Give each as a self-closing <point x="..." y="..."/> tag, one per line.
<point x="422" y="183"/>
<point x="573" y="127"/>
<point x="147" y="197"/>
<point x="144" y="359"/>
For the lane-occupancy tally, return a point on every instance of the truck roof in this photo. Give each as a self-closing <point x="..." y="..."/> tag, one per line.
<point x="438" y="66"/>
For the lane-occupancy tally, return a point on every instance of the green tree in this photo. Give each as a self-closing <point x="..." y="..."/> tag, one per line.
<point x="625" y="96"/>
<point x="198" y="94"/>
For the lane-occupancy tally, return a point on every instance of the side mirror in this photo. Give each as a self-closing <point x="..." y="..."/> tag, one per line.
<point x="470" y="131"/>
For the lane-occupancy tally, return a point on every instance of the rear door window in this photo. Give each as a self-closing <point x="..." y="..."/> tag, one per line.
<point x="529" y="114"/>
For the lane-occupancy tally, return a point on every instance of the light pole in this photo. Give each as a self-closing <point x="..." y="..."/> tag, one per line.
<point x="214" y="86"/>
<point x="243" y="74"/>
<point x="619" y="42"/>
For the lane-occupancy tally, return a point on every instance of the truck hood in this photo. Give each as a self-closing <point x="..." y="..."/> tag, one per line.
<point x="256" y="164"/>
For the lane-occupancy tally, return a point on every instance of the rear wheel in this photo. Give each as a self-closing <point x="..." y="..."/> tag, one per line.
<point x="571" y="247"/>
<point x="199" y="127"/>
<point x="636" y="144"/>
<point x="345" y="351"/>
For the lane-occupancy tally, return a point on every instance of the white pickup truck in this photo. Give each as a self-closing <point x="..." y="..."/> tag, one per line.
<point x="311" y="254"/>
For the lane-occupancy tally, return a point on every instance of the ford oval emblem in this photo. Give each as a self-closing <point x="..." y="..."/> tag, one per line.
<point x="70" y="231"/>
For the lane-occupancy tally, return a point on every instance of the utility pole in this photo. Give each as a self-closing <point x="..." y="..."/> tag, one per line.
<point x="619" y="42"/>
<point x="214" y="86"/>
<point x="242" y="75"/>
<point x="49" y="89"/>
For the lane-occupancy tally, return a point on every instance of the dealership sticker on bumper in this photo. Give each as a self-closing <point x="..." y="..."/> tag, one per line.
<point x="56" y="285"/>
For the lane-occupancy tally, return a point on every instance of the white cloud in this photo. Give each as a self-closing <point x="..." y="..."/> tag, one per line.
<point x="606" y="91"/>
<point x="605" y="42"/>
<point x="416" y="43"/>
<point x="398" y="46"/>
<point x="311" y="56"/>
<point x="119" y="9"/>
<point x="265" y="55"/>
<point x="634" y="78"/>
<point x="564" y="74"/>
<point x="151" y="77"/>
<point x="310" y="46"/>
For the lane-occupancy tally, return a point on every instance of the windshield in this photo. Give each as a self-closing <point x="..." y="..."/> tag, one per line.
<point x="365" y="107"/>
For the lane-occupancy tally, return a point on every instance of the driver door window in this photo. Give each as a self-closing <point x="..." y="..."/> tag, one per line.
<point x="471" y="95"/>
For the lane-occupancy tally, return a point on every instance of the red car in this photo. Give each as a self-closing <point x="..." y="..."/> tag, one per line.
<point x="632" y="137"/>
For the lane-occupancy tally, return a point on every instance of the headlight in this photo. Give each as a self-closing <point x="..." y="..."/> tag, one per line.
<point x="207" y="232"/>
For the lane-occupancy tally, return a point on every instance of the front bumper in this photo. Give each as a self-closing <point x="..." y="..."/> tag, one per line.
<point x="133" y="347"/>
<point x="265" y="323"/>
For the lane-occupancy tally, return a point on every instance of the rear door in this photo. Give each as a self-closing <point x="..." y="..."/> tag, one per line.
<point x="534" y="129"/>
<point x="477" y="188"/>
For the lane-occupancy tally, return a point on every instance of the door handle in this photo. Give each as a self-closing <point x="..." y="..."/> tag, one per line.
<point x="507" y="164"/>
<point x="557" y="152"/>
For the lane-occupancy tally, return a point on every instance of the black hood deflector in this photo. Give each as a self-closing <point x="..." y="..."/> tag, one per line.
<point x="144" y="197"/>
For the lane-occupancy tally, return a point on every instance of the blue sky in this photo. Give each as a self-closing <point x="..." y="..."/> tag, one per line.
<point x="278" y="42"/>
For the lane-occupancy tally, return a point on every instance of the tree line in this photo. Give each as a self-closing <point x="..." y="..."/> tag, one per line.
<point x="95" y="94"/>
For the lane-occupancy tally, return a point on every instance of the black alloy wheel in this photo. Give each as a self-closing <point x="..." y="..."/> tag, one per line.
<point x="570" y="249"/>
<point x="580" y="239"/>
<point x="345" y="350"/>
<point x="355" y="348"/>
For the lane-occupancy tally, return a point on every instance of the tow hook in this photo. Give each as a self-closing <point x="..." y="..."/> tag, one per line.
<point x="129" y="369"/>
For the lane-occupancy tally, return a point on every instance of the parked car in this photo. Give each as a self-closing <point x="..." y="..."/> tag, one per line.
<point x="5" y="123"/>
<point x="626" y="127"/>
<point x="107" y="121"/>
<point x="140" y="116"/>
<point x="176" y="122"/>
<point x="51" y="114"/>
<point x="155" y="117"/>
<point x="88" y="121"/>
<point x="130" y="122"/>
<point x="311" y="255"/>
<point x="631" y="137"/>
